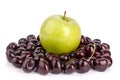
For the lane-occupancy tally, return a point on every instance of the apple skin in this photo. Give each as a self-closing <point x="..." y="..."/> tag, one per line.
<point x="60" y="36"/>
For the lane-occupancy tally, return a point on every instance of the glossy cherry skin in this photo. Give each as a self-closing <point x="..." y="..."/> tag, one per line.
<point x="109" y="60"/>
<point x="17" y="61"/>
<point x="82" y="41"/>
<point x="70" y="66"/>
<point x="22" y="45"/>
<point x="91" y="61"/>
<point x="89" y="50"/>
<point x="97" y="41"/>
<point x="28" y="65"/>
<point x="106" y="52"/>
<point x="80" y="54"/>
<point x="51" y="57"/>
<point x="104" y="46"/>
<point x="22" y="41"/>
<point x="12" y="46"/>
<point x="25" y="54"/>
<point x="30" y="46"/>
<point x="55" y="66"/>
<point x="100" y="64"/>
<point x="10" y="54"/>
<point x="29" y="37"/>
<point x="97" y="54"/>
<point x="43" y="67"/>
<point x="83" y="66"/>
<point x="72" y="54"/>
<point x="19" y="50"/>
<point x="88" y="40"/>
<point x="64" y="57"/>
<point x="82" y="47"/>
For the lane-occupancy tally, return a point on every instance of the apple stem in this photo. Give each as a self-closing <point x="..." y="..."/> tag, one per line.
<point x="92" y="53"/>
<point x="64" y="15"/>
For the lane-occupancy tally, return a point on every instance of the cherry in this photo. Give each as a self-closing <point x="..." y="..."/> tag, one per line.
<point x="72" y="54"/>
<point x="80" y="54"/>
<point x="97" y="54"/>
<point x="97" y="41"/>
<point x="100" y="64"/>
<point x="51" y="57"/>
<point x="89" y="49"/>
<point x="87" y="40"/>
<point x="91" y="61"/>
<point x="83" y="66"/>
<point x="104" y="46"/>
<point x="12" y="45"/>
<point x="43" y="67"/>
<point x="109" y="60"/>
<point x="30" y="46"/>
<point x="22" y="41"/>
<point x="28" y="65"/>
<point x="82" y="41"/>
<point x="64" y="57"/>
<point x="25" y="54"/>
<point x="29" y="37"/>
<point x="70" y="66"/>
<point x="82" y="47"/>
<point x="55" y="66"/>
<point x="17" y="61"/>
<point x="106" y="52"/>
<point x="22" y="45"/>
<point x="10" y="54"/>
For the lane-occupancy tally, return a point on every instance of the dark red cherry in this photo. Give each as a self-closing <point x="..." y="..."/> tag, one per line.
<point x="106" y="52"/>
<point x="97" y="41"/>
<point x="80" y="54"/>
<point x="25" y="54"/>
<point x="30" y="46"/>
<point x="29" y="37"/>
<point x="82" y="41"/>
<point x="87" y="40"/>
<point x="91" y="61"/>
<point x="100" y="64"/>
<point x="83" y="66"/>
<point x="72" y="54"/>
<point x="109" y="60"/>
<point x="70" y="66"/>
<point x="43" y="67"/>
<point x="17" y="61"/>
<point x="55" y="66"/>
<point x="19" y="50"/>
<point x="34" y="41"/>
<point x="89" y="49"/>
<point x="104" y="46"/>
<point x="22" y="41"/>
<point x="97" y="54"/>
<point x="51" y="57"/>
<point x="98" y="48"/>
<point x="28" y="65"/>
<point x="22" y="45"/>
<point x="64" y="57"/>
<point x="82" y="47"/>
<point x="10" y="54"/>
<point x="12" y="45"/>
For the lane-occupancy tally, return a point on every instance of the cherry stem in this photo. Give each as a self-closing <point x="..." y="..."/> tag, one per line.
<point x="64" y="15"/>
<point x="92" y="53"/>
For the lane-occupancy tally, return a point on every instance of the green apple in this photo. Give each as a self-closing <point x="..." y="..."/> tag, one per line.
<point x="59" y="35"/>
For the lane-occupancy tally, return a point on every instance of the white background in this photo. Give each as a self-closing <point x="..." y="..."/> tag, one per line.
<point x="97" y="18"/>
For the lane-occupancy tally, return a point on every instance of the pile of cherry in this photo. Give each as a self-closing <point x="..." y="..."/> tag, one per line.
<point x="29" y="55"/>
